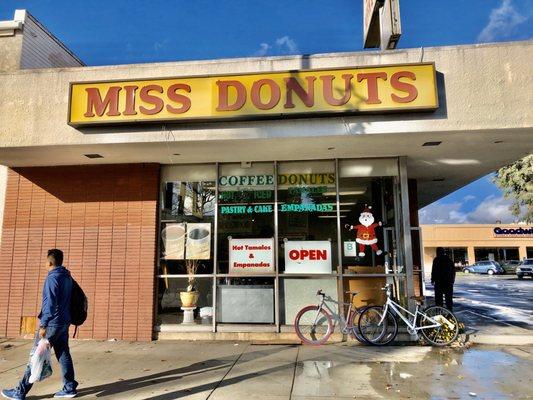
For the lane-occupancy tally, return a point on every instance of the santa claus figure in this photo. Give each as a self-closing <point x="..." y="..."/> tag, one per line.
<point x="366" y="232"/>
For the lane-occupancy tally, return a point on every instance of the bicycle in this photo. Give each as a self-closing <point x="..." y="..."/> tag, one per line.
<point x="314" y="324"/>
<point x="378" y="325"/>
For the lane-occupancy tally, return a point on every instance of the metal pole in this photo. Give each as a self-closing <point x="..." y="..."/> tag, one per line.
<point x="215" y="254"/>
<point x="340" y="279"/>
<point x="405" y="231"/>
<point x="276" y="251"/>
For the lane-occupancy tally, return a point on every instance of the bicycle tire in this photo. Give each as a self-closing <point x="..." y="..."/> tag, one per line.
<point x="382" y="334"/>
<point x="445" y="336"/>
<point x="299" y="326"/>
<point x="354" y="325"/>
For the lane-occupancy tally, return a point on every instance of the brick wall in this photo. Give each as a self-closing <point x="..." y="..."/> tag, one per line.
<point x="104" y="220"/>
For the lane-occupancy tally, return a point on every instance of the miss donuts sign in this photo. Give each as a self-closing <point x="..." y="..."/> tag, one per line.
<point x="405" y="87"/>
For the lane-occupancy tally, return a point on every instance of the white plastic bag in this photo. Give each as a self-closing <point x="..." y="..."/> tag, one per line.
<point x="40" y="361"/>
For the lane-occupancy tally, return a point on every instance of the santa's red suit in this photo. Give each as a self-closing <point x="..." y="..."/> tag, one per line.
<point x="366" y="236"/>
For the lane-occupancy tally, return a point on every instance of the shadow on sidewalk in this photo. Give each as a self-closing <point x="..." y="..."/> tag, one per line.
<point x="173" y="375"/>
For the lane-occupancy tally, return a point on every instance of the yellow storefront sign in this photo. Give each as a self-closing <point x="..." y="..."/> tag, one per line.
<point x="396" y="88"/>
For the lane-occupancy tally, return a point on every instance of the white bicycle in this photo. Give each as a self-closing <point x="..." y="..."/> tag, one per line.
<point x="378" y="325"/>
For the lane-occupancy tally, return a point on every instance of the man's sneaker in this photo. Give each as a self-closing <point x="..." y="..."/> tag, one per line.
<point x="13" y="394"/>
<point x="64" y="394"/>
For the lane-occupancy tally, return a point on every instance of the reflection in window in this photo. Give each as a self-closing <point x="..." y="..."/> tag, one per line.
<point x="307" y="215"/>
<point x="245" y="213"/>
<point x="169" y="305"/>
<point x="187" y="219"/>
<point x="367" y="219"/>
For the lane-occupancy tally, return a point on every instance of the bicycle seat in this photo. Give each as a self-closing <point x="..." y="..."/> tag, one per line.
<point x="420" y="299"/>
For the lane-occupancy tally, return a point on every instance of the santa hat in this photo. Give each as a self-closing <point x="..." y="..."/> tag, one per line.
<point x="368" y="209"/>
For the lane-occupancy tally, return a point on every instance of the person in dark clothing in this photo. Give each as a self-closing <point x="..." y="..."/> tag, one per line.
<point x="54" y="321"/>
<point x="443" y="278"/>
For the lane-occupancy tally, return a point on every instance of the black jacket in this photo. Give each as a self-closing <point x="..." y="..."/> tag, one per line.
<point x="443" y="271"/>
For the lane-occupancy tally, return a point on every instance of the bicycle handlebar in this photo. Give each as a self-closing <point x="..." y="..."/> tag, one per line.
<point x="320" y="293"/>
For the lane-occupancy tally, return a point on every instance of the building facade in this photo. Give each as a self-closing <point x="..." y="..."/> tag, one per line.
<point x="469" y="243"/>
<point x="258" y="178"/>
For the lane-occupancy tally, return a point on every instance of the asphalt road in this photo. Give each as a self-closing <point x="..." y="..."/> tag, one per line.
<point x="501" y="298"/>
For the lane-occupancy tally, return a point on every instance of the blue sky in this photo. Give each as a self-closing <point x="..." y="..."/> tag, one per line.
<point x="133" y="31"/>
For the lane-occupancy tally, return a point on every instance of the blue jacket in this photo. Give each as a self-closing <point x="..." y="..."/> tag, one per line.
<point x="55" y="308"/>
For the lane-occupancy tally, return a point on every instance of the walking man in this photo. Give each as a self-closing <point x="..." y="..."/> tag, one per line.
<point x="443" y="278"/>
<point x="54" y="323"/>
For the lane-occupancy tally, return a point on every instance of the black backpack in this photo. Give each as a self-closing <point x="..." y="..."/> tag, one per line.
<point x="78" y="306"/>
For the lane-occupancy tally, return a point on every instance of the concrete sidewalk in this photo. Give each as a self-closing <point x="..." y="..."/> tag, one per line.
<point x="226" y="370"/>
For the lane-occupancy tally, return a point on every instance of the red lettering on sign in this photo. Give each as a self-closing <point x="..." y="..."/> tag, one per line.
<point x="313" y="255"/>
<point x="95" y="102"/>
<point x="328" y="89"/>
<point x="307" y="97"/>
<point x="129" y="109"/>
<point x="156" y="101"/>
<point x="275" y="94"/>
<point x="223" y="95"/>
<point x="372" y="85"/>
<point x="408" y="88"/>
<point x="179" y="98"/>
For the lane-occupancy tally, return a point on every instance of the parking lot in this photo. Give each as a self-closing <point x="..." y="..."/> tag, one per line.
<point x="501" y="299"/>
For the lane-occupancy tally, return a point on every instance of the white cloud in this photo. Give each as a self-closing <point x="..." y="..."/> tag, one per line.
<point x="288" y="44"/>
<point x="263" y="49"/>
<point x="469" y="197"/>
<point x="489" y="211"/>
<point x="502" y="22"/>
<point x="282" y="45"/>
<point x="442" y="213"/>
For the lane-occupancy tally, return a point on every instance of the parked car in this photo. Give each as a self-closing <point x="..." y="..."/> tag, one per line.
<point x="509" y="266"/>
<point x="485" y="267"/>
<point x="525" y="268"/>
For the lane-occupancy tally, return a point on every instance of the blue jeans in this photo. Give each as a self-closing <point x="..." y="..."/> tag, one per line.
<point x="58" y="338"/>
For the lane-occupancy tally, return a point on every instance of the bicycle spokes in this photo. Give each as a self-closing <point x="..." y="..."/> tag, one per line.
<point x="447" y="330"/>
<point x="313" y="325"/>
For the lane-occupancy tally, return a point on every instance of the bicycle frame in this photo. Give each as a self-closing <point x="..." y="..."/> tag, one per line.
<point x="411" y="326"/>
<point x="343" y="322"/>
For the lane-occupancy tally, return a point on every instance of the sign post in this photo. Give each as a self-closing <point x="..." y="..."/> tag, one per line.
<point x="391" y="28"/>
<point x="381" y="24"/>
<point x="371" y="30"/>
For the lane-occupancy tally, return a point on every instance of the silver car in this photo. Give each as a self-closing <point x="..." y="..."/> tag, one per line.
<point x="525" y="268"/>
<point x="485" y="267"/>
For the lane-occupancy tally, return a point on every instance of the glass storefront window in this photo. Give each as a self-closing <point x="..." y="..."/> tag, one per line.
<point x="242" y="208"/>
<point x="499" y="254"/>
<point x="307" y="217"/>
<point x="368" y="225"/>
<point x="245" y="212"/>
<point x="187" y="219"/>
<point x="369" y="289"/>
<point x="170" y="304"/>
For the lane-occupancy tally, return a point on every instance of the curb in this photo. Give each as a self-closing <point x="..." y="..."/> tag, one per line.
<point x="508" y="340"/>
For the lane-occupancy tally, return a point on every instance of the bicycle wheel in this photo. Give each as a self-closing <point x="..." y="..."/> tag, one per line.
<point x="354" y="324"/>
<point x="313" y="325"/>
<point x="443" y="335"/>
<point x="377" y="330"/>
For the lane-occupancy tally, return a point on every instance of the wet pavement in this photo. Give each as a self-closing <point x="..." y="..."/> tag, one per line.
<point x="500" y="300"/>
<point x="223" y="370"/>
